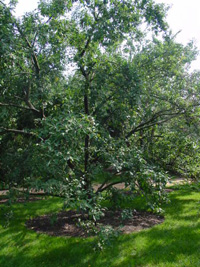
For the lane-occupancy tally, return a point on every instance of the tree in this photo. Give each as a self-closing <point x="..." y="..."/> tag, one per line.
<point x="105" y="120"/>
<point x="31" y="66"/>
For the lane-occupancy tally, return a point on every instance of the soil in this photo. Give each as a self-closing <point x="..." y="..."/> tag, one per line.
<point x="65" y="223"/>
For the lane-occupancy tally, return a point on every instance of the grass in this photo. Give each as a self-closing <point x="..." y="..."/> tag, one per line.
<point x="176" y="242"/>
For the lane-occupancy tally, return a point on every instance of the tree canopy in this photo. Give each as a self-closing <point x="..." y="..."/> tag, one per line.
<point x="86" y="97"/>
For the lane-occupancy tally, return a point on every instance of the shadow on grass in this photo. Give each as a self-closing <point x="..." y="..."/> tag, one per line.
<point x="31" y="249"/>
<point x="161" y="246"/>
<point x="164" y="244"/>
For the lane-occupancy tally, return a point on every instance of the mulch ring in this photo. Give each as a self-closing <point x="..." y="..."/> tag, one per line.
<point x="65" y="223"/>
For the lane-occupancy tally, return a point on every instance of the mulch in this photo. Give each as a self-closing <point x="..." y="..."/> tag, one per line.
<point x="65" y="223"/>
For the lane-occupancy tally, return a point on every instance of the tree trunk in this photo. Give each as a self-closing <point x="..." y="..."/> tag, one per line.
<point x="86" y="148"/>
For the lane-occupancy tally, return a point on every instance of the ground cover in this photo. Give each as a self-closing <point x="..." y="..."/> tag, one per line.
<point x="175" y="242"/>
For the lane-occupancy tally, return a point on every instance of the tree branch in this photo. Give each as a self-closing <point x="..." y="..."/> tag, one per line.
<point x="101" y="188"/>
<point x="27" y="96"/>
<point x="15" y="131"/>
<point x="86" y="46"/>
<point x="34" y="57"/>
<point x="18" y="106"/>
<point x="151" y="122"/>
<point x="159" y="122"/>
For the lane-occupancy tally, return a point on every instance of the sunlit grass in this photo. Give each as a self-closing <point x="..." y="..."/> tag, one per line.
<point x="176" y="242"/>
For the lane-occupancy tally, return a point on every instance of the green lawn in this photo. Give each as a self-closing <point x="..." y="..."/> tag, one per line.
<point x="176" y="242"/>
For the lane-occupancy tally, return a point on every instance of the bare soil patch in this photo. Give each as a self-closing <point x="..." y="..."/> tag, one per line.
<point x="65" y="223"/>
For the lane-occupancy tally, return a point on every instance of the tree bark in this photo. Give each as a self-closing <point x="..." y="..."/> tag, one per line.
<point x="86" y="148"/>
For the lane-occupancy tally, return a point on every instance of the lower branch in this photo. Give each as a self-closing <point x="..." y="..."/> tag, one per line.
<point x="15" y="131"/>
<point x="18" y="106"/>
<point x="101" y="188"/>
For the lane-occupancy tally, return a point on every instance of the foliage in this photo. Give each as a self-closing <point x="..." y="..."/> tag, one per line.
<point x="106" y="237"/>
<point x="126" y="214"/>
<point x="128" y="112"/>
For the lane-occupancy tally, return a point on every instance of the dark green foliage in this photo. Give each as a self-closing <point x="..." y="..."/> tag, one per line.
<point x="128" y="112"/>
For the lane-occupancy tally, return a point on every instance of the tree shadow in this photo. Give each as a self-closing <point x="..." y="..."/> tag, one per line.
<point x="163" y="244"/>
